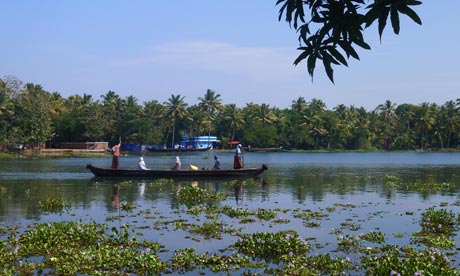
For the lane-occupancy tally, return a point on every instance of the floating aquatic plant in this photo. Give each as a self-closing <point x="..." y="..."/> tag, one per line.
<point x="54" y="205"/>
<point x="408" y="261"/>
<point x="185" y="260"/>
<point x="210" y="229"/>
<point x="192" y="196"/>
<point x="322" y="264"/>
<point x="236" y="212"/>
<point x="70" y="248"/>
<point x="271" y="246"/>
<point x="265" y="214"/>
<point x="127" y="206"/>
<point x="439" y="221"/>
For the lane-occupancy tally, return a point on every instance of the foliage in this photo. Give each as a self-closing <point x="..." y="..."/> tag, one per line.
<point x="192" y="196"/>
<point x="439" y="221"/>
<point x="322" y="264"/>
<point x="187" y="260"/>
<point x="54" y="205"/>
<point x="272" y="246"/>
<point x="333" y="29"/>
<point x="32" y="116"/>
<point x="407" y="261"/>
<point x="71" y="248"/>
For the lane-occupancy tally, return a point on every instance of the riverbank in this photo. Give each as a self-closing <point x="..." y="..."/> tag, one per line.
<point x="56" y="153"/>
<point x="52" y="153"/>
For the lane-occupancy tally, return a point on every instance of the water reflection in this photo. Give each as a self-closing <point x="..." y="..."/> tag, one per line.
<point x="238" y="190"/>
<point x="116" y="196"/>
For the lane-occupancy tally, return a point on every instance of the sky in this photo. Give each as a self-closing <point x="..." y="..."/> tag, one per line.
<point x="154" y="49"/>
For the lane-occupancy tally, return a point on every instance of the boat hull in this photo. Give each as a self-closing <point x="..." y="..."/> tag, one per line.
<point x="102" y="172"/>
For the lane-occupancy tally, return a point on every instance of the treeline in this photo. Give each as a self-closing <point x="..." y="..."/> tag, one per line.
<point x="30" y="115"/>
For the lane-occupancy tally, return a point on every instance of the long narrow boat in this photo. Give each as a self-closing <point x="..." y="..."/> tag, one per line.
<point x="172" y="173"/>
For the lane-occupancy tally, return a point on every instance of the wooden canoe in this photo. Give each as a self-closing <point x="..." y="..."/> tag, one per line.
<point x="172" y="173"/>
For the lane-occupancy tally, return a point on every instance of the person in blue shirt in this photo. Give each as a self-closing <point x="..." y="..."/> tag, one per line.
<point x="216" y="163"/>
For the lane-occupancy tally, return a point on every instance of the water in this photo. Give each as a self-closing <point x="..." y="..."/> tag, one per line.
<point x="350" y="188"/>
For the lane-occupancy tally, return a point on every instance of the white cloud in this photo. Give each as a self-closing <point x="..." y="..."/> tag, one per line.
<point x="257" y="64"/>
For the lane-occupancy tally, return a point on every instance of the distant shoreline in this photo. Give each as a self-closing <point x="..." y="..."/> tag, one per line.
<point x="56" y="153"/>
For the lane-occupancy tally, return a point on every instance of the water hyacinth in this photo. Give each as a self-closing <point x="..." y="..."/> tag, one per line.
<point x="272" y="246"/>
<point x="439" y="221"/>
<point x="54" y="205"/>
<point x="191" y="196"/>
<point x="408" y="261"/>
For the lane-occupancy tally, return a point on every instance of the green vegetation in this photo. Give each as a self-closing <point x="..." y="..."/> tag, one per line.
<point x="33" y="117"/>
<point x="54" y="205"/>
<point x="77" y="248"/>
<point x="193" y="196"/>
<point x="333" y="29"/>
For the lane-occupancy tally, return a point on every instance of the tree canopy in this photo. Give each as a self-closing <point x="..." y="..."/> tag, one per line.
<point x="333" y="29"/>
<point x="32" y="116"/>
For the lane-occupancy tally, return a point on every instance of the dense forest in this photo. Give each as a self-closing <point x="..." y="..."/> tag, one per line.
<point x="30" y="115"/>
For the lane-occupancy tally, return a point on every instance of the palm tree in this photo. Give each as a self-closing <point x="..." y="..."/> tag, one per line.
<point x="211" y="103"/>
<point x="175" y="107"/>
<point x="197" y="120"/>
<point x="450" y="119"/>
<point x="299" y="105"/>
<point x="387" y="114"/>
<point x="235" y="115"/>
<point x="263" y="113"/>
<point x="424" y="121"/>
<point x="112" y="108"/>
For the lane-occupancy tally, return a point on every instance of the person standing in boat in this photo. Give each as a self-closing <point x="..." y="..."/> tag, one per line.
<point x="177" y="164"/>
<point x="116" y="155"/>
<point x="238" y="160"/>
<point x="141" y="164"/>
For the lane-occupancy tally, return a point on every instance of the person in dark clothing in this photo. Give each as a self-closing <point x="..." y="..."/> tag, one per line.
<point x="216" y="163"/>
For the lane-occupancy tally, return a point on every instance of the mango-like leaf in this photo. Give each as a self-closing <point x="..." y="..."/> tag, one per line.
<point x="311" y="63"/>
<point x="371" y="15"/>
<point x="362" y="44"/>
<point x="409" y="12"/>
<point x="346" y="46"/>
<point x="395" y="20"/>
<point x="337" y="55"/>
<point x="328" y="67"/>
<point x="383" y="20"/>
<point x="306" y="52"/>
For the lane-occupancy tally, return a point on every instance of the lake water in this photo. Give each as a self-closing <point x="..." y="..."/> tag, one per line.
<point x="353" y="185"/>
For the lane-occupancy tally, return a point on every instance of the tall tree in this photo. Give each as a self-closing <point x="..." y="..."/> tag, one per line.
<point x="175" y="108"/>
<point x="387" y="124"/>
<point x="112" y="108"/>
<point x="36" y="114"/>
<point x="211" y="104"/>
<point x="235" y="116"/>
<point x="154" y="117"/>
<point x="424" y="121"/>
<point x="263" y="114"/>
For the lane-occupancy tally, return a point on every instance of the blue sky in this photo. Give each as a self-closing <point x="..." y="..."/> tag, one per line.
<point x="152" y="49"/>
